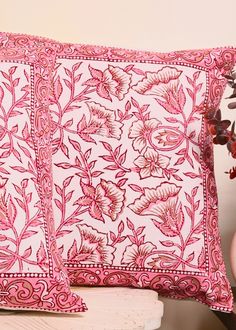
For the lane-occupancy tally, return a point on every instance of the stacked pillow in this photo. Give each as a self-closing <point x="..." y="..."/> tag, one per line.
<point x="134" y="195"/>
<point x="31" y="272"/>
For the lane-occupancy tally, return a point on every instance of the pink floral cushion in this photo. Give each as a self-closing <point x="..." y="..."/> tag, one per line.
<point x="31" y="272"/>
<point x="135" y="195"/>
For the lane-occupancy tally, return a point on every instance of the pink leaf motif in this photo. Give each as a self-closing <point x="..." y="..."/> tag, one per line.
<point x="95" y="73"/>
<point x="111" y="167"/>
<point x="64" y="165"/>
<point x="181" y="152"/>
<point x="171" y="119"/>
<point x="178" y="178"/>
<point x="190" y="214"/>
<point x="138" y="71"/>
<point x="196" y="75"/>
<point x="28" y="234"/>
<point x="128" y="68"/>
<point x="120" y="174"/>
<point x="67" y="83"/>
<point x="5" y="75"/>
<point x="190" y="257"/>
<point x="127" y="106"/>
<point x="180" y="161"/>
<point x="18" y="189"/>
<point x="132" y="239"/>
<point x="76" y="66"/>
<point x="17" y="154"/>
<point x="29" y="197"/>
<point x="83" y="201"/>
<point x="190" y="93"/>
<point x="25" y="151"/>
<point x="189" y="199"/>
<point x="112" y="236"/>
<point x="11" y="210"/>
<point x="107" y="146"/>
<point x="65" y="150"/>
<point x="182" y="97"/>
<point x="58" y="189"/>
<point x="58" y="204"/>
<point x="57" y="88"/>
<point x="87" y="154"/>
<point x="68" y="123"/>
<point x="140" y="230"/>
<point x="191" y="175"/>
<point x="67" y="181"/>
<point x="72" y="221"/>
<point x="5" y="154"/>
<point x="1" y="94"/>
<point x="12" y="70"/>
<point x="62" y="233"/>
<point x="122" y="158"/>
<point x="121" y="182"/>
<point x="41" y="254"/>
<point x="193" y="240"/>
<point x="68" y="72"/>
<point x="135" y="103"/>
<point x="168" y="107"/>
<point x="24" y="183"/>
<point x="121" y="227"/>
<point x="194" y="191"/>
<point x="27" y="253"/>
<point x="73" y="251"/>
<point x="136" y="188"/>
<point x="95" y="174"/>
<point x="130" y="224"/>
<point x="8" y="87"/>
<point x="3" y="170"/>
<point x="82" y="124"/>
<point x="15" y="82"/>
<point x="167" y="243"/>
<point x="75" y="145"/>
<point x="69" y="196"/>
<point x="19" y="169"/>
<point x="190" y="81"/>
<point x="35" y="223"/>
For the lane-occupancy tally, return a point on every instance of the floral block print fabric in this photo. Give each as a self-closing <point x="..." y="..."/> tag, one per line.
<point x="31" y="272"/>
<point x="135" y="195"/>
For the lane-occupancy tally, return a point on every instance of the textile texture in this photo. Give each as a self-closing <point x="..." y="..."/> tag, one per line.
<point x="32" y="275"/>
<point x="135" y="194"/>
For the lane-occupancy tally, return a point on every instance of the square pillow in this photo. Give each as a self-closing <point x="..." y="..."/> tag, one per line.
<point x="31" y="272"/>
<point x="135" y="194"/>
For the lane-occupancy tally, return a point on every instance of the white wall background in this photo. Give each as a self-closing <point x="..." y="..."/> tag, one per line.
<point x="158" y="25"/>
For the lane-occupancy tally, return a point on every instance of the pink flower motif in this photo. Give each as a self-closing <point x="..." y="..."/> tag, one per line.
<point x="136" y="256"/>
<point x="165" y="84"/>
<point x="102" y="121"/>
<point x="162" y="203"/>
<point x="106" y="199"/>
<point x="151" y="164"/>
<point x="113" y="81"/>
<point x="140" y="131"/>
<point x="93" y="247"/>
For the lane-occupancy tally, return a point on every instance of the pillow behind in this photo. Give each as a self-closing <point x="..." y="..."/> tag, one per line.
<point x="135" y="195"/>
<point x="31" y="272"/>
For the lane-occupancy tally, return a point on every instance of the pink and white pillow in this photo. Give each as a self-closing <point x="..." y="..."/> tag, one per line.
<point x="31" y="272"/>
<point x="135" y="195"/>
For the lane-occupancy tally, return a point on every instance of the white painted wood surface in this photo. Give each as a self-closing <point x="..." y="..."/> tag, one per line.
<point x="109" y="309"/>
